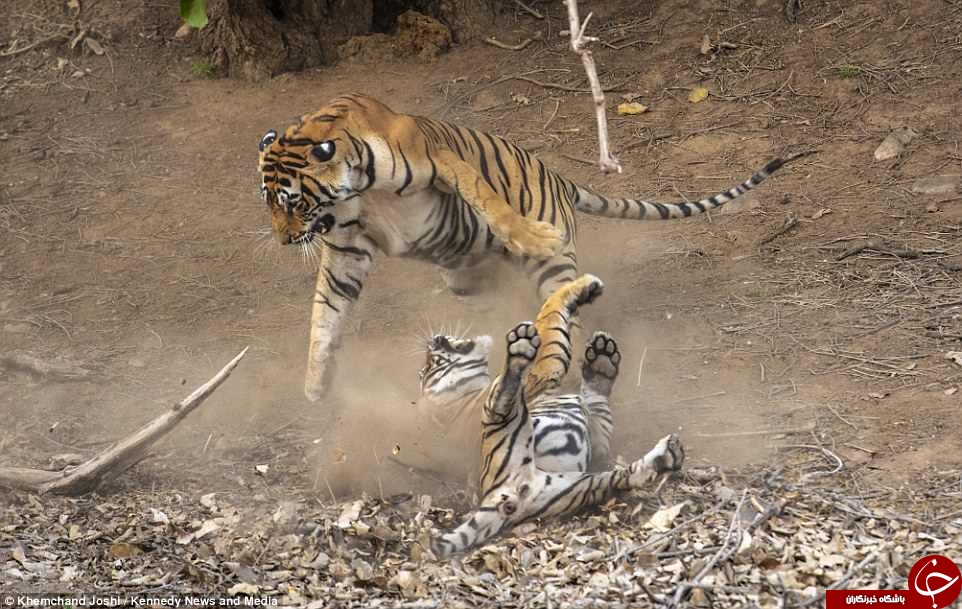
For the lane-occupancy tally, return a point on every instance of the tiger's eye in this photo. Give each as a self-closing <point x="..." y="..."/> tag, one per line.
<point x="267" y="140"/>
<point x="323" y="151"/>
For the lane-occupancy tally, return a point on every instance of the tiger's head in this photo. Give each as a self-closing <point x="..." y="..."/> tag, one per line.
<point x="313" y="172"/>
<point x="454" y="366"/>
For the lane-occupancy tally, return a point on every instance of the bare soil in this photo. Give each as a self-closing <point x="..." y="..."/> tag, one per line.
<point x="133" y="244"/>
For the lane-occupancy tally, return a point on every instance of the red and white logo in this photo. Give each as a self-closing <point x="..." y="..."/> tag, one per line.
<point x="934" y="583"/>
<point x="935" y="579"/>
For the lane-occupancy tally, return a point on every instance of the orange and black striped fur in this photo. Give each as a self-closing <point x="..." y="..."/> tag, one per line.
<point x="355" y="177"/>
<point x="534" y="460"/>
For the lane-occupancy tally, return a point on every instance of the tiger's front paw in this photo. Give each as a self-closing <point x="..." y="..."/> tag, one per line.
<point x="532" y="238"/>
<point x="668" y="455"/>
<point x="523" y="343"/>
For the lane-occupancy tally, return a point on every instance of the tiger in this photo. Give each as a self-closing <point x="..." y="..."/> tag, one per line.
<point x="355" y="178"/>
<point x="573" y="430"/>
<point x="536" y="447"/>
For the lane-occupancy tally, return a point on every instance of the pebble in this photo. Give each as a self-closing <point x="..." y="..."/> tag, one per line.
<point x="894" y="144"/>
<point x="936" y="185"/>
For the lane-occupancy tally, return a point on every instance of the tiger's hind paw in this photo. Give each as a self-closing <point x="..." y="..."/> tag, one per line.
<point x="668" y="455"/>
<point x="600" y="366"/>
<point x="532" y="238"/>
<point x="523" y="343"/>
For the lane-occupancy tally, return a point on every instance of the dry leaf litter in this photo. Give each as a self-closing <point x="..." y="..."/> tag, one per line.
<point x="711" y="538"/>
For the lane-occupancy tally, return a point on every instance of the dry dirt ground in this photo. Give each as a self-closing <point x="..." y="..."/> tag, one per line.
<point x="134" y="246"/>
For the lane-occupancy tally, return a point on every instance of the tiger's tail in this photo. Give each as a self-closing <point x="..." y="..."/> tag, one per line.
<point x="636" y="209"/>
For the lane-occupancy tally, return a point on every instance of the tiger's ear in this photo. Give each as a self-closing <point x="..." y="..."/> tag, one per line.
<point x="521" y="235"/>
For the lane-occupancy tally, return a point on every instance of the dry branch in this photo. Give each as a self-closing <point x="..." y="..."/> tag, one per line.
<point x="579" y="44"/>
<point x="117" y="458"/>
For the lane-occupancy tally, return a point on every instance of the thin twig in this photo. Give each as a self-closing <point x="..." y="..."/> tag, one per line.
<point x="12" y="52"/>
<point x="508" y="47"/>
<point x="641" y="364"/>
<point x="723" y="554"/>
<point x="790" y="222"/>
<point x="528" y="9"/>
<point x="838" y="460"/>
<point x="579" y="44"/>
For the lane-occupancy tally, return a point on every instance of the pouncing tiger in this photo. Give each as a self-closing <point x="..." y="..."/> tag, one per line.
<point x="536" y="447"/>
<point x="355" y="178"/>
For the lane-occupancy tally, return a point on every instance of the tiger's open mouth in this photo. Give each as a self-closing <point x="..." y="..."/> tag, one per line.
<point x="321" y="224"/>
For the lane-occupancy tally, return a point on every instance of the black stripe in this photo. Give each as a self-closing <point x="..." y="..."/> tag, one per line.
<point x="369" y="170"/>
<point x="343" y="289"/>
<point x="408" y="174"/>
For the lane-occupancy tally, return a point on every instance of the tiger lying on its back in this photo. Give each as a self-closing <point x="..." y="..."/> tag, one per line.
<point x="573" y="430"/>
<point x="355" y="177"/>
<point x="534" y="460"/>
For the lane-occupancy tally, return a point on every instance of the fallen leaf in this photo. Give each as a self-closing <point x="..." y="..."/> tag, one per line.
<point x="159" y="516"/>
<point x="125" y="550"/>
<point x="698" y="94"/>
<point x="349" y="514"/>
<point x="706" y="45"/>
<point x="243" y="589"/>
<point x="631" y="108"/>
<point x="18" y="554"/>
<point x="73" y="5"/>
<point x="208" y="527"/>
<point x="955" y="356"/>
<point x="208" y="501"/>
<point x="69" y="574"/>
<point x="94" y="46"/>
<point x="183" y="31"/>
<point x="362" y="569"/>
<point x="822" y="212"/>
<point x="599" y="580"/>
<point x="661" y="520"/>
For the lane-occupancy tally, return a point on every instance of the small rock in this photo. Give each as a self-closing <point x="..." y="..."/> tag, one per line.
<point x="936" y="185"/>
<point x="136" y="362"/>
<point x="933" y="207"/>
<point x="17" y="328"/>
<point x="894" y="144"/>
<point x="951" y="391"/>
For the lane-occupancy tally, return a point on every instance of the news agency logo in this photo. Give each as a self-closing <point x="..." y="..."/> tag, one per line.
<point x="934" y="583"/>
<point x="935" y="579"/>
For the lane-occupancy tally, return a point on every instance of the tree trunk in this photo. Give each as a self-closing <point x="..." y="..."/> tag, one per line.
<point x="258" y="39"/>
